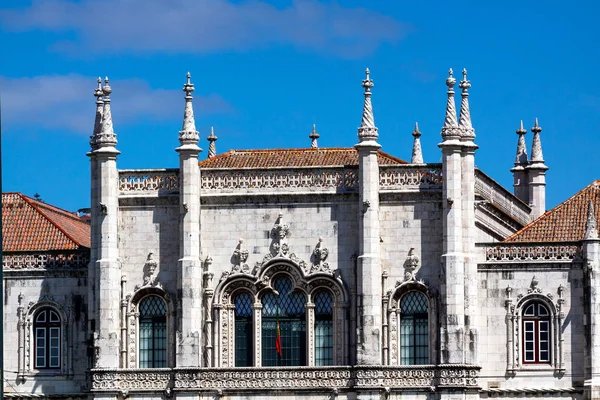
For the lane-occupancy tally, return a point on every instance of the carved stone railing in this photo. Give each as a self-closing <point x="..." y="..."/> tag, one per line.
<point x="148" y="181"/>
<point x="501" y="198"/>
<point x="297" y="179"/>
<point x="422" y="377"/>
<point x="402" y="177"/>
<point x="46" y="260"/>
<point x="532" y="252"/>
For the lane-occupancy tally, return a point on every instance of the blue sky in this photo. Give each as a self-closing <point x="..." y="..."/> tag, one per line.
<point x="265" y="71"/>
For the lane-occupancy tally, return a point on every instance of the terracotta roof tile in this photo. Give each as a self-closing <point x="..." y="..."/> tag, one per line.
<point x="291" y="158"/>
<point x="565" y="222"/>
<point x="31" y="225"/>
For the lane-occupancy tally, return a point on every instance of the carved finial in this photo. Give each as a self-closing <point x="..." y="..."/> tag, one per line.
<point x="314" y="136"/>
<point x="591" y="229"/>
<point x="98" y="93"/>
<point x="450" y="129"/>
<point x="212" y="147"/>
<point x="367" y="130"/>
<point x="534" y="282"/>
<point x="464" y="123"/>
<point x="410" y="265"/>
<point x="521" y="158"/>
<point x="188" y="134"/>
<point x="106" y="136"/>
<point x="417" y="153"/>
<point x="536" y="147"/>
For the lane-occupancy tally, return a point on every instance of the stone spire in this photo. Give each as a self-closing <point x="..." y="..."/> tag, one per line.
<point x="450" y="129"/>
<point x="368" y="130"/>
<point x="98" y="121"/>
<point x="212" y="147"/>
<point x="314" y="136"/>
<point x="521" y="158"/>
<point x="188" y="134"/>
<point x="467" y="131"/>
<point x="417" y="153"/>
<point x="106" y="136"/>
<point x="591" y="230"/>
<point x="536" y="148"/>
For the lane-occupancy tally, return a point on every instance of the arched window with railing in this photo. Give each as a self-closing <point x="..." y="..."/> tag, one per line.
<point x="153" y="337"/>
<point x="283" y="325"/>
<point x="536" y="333"/>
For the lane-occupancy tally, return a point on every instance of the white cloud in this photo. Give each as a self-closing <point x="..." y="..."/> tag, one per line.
<point x="66" y="102"/>
<point x="201" y="26"/>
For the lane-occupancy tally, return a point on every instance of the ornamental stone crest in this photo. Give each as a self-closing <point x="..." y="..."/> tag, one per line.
<point x="279" y="247"/>
<point x="150" y="275"/>
<point x="240" y="258"/>
<point x="411" y="265"/>
<point x="319" y="256"/>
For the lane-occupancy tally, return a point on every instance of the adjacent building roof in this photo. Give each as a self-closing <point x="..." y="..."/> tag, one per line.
<point x="292" y="158"/>
<point x="565" y="222"/>
<point x="30" y="225"/>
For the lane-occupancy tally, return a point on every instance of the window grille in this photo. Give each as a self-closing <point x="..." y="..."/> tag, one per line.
<point x="47" y="332"/>
<point x="414" y="329"/>
<point x="323" y="328"/>
<point x="153" y="332"/>
<point x="536" y="334"/>
<point x="243" y="330"/>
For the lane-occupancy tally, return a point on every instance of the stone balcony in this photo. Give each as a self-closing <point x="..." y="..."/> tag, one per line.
<point x="428" y="378"/>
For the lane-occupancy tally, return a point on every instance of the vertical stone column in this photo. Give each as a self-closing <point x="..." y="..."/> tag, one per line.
<point x="591" y="254"/>
<point x="369" y="265"/>
<point x="536" y="172"/>
<point x="453" y="276"/>
<point x="520" y="178"/>
<point x="108" y="268"/>
<point x="189" y="266"/>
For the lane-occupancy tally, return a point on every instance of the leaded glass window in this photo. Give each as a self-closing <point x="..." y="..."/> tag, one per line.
<point x="153" y="332"/>
<point x="323" y="328"/>
<point x="243" y="330"/>
<point x="285" y="312"/>
<point x="47" y="329"/>
<point x="414" y="329"/>
<point x="536" y="334"/>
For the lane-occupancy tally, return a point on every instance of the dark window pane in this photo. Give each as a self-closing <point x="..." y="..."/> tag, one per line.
<point x="153" y="333"/>
<point x="323" y="329"/>
<point x="243" y="330"/>
<point x="414" y="329"/>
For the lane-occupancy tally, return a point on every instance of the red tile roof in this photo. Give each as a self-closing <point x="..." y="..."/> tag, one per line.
<point x="565" y="222"/>
<point x="291" y="158"/>
<point x="31" y="225"/>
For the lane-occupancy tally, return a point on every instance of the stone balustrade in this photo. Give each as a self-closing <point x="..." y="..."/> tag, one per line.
<point x="418" y="177"/>
<point x="531" y="252"/>
<point x="148" y="181"/>
<point x="499" y="197"/>
<point x="414" y="378"/>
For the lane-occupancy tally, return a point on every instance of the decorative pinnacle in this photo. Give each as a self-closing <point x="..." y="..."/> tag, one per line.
<point x="98" y="121"/>
<point x="188" y="134"/>
<point x="106" y="136"/>
<point x="212" y="147"/>
<point x="449" y="130"/>
<point x="367" y="130"/>
<point x="314" y="136"/>
<point x="417" y="153"/>
<point x="521" y="158"/>
<point x="536" y="147"/>
<point x="467" y="131"/>
<point x="591" y="230"/>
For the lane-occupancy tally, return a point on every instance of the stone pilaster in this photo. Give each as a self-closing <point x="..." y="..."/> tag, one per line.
<point x="520" y="178"/>
<point x="189" y="266"/>
<point x="452" y="273"/>
<point x="591" y="254"/>
<point x="108" y="269"/>
<point x="369" y="348"/>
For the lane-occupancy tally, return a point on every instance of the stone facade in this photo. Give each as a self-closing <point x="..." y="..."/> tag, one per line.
<point x="369" y="230"/>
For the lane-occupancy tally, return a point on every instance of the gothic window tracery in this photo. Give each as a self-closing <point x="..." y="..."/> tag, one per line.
<point x="414" y="329"/>
<point x="153" y="332"/>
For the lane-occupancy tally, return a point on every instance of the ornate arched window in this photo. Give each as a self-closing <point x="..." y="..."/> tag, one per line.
<point x="323" y="328"/>
<point x="283" y="325"/>
<point x="152" y="332"/>
<point x="536" y="333"/>
<point x="414" y="329"/>
<point x="243" y="330"/>
<point x="47" y="338"/>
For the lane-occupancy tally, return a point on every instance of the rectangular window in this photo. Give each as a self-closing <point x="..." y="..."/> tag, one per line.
<point x="544" y="340"/>
<point x="243" y="342"/>
<point x="323" y="342"/>
<point x="54" y="347"/>
<point x="529" y="341"/>
<point x="414" y="340"/>
<point x="40" y="348"/>
<point x="293" y="343"/>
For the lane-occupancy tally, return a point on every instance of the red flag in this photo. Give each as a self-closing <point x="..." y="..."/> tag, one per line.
<point x="278" y="341"/>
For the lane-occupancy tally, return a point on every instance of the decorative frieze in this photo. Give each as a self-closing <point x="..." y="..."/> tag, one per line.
<point x="47" y="261"/>
<point x="149" y="180"/>
<point x="422" y="377"/>
<point x="533" y="252"/>
<point x="411" y="177"/>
